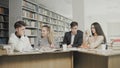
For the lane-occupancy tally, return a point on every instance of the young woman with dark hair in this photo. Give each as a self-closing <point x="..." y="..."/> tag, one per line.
<point x="97" y="37"/>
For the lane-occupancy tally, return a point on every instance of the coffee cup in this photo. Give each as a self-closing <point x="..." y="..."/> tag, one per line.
<point x="103" y="46"/>
<point x="64" y="47"/>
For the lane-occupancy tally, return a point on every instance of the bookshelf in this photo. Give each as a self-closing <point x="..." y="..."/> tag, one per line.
<point x="4" y="22"/>
<point x="35" y="17"/>
<point x="30" y="17"/>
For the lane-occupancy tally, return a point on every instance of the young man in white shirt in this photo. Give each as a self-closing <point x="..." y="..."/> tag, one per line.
<point x="18" y="40"/>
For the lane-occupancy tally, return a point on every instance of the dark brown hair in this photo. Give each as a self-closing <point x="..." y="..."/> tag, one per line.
<point x="98" y="30"/>
<point x="73" y="24"/>
<point x="19" y="24"/>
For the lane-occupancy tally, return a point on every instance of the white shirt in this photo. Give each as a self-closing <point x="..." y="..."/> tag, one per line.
<point x="72" y="39"/>
<point x="20" y="44"/>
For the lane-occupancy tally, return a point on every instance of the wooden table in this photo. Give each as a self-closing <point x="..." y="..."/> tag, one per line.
<point x="75" y="58"/>
<point x="96" y="59"/>
<point x="37" y="60"/>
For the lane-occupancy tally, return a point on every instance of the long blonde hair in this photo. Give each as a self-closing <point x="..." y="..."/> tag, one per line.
<point x="50" y="34"/>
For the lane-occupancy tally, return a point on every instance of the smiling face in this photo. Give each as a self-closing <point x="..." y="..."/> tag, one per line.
<point x="74" y="29"/>
<point x="44" y="32"/>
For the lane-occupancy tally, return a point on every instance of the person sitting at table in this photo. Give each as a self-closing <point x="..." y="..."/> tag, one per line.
<point x="18" y="40"/>
<point x="73" y="38"/>
<point x="86" y="36"/>
<point x="46" y="37"/>
<point x="97" y="37"/>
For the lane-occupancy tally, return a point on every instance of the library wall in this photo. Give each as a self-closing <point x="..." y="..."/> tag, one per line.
<point x="14" y="13"/>
<point x="78" y="13"/>
<point x="103" y="11"/>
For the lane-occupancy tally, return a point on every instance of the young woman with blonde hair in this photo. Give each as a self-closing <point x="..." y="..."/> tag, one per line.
<point x="46" y="37"/>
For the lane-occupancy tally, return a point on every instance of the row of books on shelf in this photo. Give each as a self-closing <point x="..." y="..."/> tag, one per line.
<point x="67" y="24"/>
<point x="40" y="24"/>
<point x="58" y="39"/>
<point x="29" y="5"/>
<point x="52" y="14"/>
<point x="29" y="14"/>
<point x="30" y="32"/>
<point x="3" y="18"/>
<point x="3" y="10"/>
<point x="3" y="40"/>
<point x="43" y="11"/>
<point x="116" y="43"/>
<point x="51" y="20"/>
<point x="30" y="23"/>
<point x="67" y="29"/>
<point x="3" y="33"/>
<point x="58" y="28"/>
<point x="59" y="34"/>
<point x="43" y="18"/>
<point x="3" y="25"/>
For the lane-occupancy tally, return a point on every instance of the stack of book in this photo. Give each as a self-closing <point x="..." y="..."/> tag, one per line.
<point x="116" y="44"/>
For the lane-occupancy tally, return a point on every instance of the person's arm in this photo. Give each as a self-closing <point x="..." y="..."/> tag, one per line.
<point x="13" y="41"/>
<point x="27" y="43"/>
<point x="65" y="39"/>
<point x="80" y="40"/>
<point x="96" y="43"/>
<point x="21" y="44"/>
